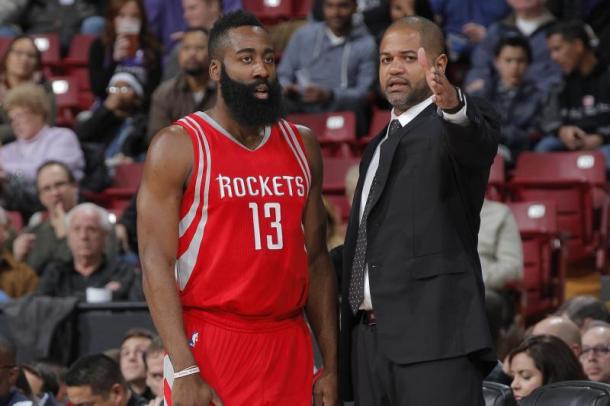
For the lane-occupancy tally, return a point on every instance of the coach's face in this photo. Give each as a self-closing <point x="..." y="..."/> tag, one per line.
<point x="402" y="79"/>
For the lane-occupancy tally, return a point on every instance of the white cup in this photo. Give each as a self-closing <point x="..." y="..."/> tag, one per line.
<point x="98" y="295"/>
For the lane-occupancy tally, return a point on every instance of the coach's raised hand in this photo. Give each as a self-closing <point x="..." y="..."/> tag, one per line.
<point x="445" y="94"/>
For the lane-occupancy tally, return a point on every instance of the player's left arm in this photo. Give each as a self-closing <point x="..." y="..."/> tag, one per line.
<point x="321" y="305"/>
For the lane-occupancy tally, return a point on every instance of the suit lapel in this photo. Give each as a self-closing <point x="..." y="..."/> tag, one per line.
<point x="388" y="150"/>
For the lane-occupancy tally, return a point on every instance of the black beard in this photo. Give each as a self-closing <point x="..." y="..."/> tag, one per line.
<point x="247" y="109"/>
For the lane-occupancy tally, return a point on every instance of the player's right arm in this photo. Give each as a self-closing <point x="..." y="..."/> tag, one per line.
<point x="167" y="169"/>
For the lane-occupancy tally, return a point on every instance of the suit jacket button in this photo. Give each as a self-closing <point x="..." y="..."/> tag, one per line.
<point x="373" y="266"/>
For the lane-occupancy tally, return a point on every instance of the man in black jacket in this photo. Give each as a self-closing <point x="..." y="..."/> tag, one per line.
<point x="413" y="325"/>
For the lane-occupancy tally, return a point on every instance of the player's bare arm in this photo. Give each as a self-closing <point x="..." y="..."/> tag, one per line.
<point x="321" y="307"/>
<point x="166" y="171"/>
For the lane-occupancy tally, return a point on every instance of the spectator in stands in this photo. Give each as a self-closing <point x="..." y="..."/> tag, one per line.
<point x="126" y="228"/>
<point x="66" y="18"/>
<point x="9" y="395"/>
<point x="517" y="99"/>
<point x="43" y="382"/>
<point x="87" y="230"/>
<point x="10" y="11"/>
<point x="197" y="14"/>
<point x="594" y="13"/>
<point x="154" y="370"/>
<point x="191" y="90"/>
<point x="118" y="50"/>
<point x="44" y="241"/>
<point x="21" y="63"/>
<point x="595" y="355"/>
<point x="577" y="114"/>
<point x="405" y="8"/>
<point x="465" y="26"/>
<point x="165" y="21"/>
<point x="351" y="181"/>
<point x="562" y="328"/>
<point x="118" y="127"/>
<point x="330" y="66"/>
<point x="28" y="108"/>
<point x="133" y="349"/>
<point x="539" y="361"/>
<point x="529" y="19"/>
<point x="16" y="278"/>
<point x="583" y="309"/>
<point x="97" y="380"/>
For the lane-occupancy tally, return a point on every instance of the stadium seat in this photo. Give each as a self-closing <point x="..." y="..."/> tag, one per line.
<point x="570" y="393"/>
<point x="301" y="8"/>
<point x="125" y="185"/>
<point x="496" y="394"/>
<point x="78" y="54"/>
<point x="380" y="119"/>
<point x="496" y="184"/>
<point x="66" y="93"/>
<point x="335" y="170"/>
<point x="48" y="45"/>
<point x="4" y="43"/>
<point x="336" y="132"/>
<point x="544" y="268"/>
<point x="576" y="181"/>
<point x="15" y="219"/>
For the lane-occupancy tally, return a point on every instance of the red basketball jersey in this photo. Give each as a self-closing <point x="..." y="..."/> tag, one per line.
<point x="241" y="244"/>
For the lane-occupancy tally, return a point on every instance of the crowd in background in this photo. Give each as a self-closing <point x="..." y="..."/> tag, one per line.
<point x="542" y="64"/>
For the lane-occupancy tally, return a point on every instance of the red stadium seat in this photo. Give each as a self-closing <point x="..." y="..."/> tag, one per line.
<point x="125" y="185"/>
<point x="301" y="8"/>
<point x="497" y="180"/>
<point x="48" y="45"/>
<point x="66" y="93"/>
<point x="543" y="257"/>
<point x="576" y="182"/>
<point x="78" y="54"/>
<point x="336" y="132"/>
<point x="335" y="170"/>
<point x="4" y="43"/>
<point x="380" y="119"/>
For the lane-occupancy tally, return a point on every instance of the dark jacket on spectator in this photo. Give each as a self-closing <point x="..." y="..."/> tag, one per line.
<point x="59" y="279"/>
<point x="173" y="100"/>
<point x="103" y="126"/>
<point x="542" y="70"/>
<point x="519" y="110"/>
<point x="581" y="101"/>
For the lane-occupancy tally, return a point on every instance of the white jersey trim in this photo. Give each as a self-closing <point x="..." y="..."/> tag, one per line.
<point x="223" y="131"/>
<point x="296" y="150"/>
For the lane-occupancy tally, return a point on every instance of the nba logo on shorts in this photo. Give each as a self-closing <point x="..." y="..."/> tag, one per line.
<point x="194" y="339"/>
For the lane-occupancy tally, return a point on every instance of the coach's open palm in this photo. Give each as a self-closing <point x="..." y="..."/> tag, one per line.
<point x="445" y="94"/>
<point x="191" y="390"/>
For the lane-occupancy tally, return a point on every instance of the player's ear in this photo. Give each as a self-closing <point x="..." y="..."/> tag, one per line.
<point x="215" y="67"/>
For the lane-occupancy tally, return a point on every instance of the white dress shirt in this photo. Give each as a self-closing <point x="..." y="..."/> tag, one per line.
<point x="404" y="119"/>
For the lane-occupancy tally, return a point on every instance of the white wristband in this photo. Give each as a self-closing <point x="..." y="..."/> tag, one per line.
<point x="194" y="369"/>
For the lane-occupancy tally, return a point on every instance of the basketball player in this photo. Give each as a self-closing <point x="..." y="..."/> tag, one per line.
<point x="232" y="232"/>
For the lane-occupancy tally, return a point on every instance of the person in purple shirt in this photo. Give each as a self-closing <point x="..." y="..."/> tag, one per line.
<point x="27" y="107"/>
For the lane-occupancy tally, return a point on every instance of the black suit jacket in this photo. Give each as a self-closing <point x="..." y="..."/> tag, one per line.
<point x="424" y="270"/>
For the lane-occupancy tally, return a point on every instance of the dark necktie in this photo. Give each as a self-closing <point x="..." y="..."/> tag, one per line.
<point x="356" y="287"/>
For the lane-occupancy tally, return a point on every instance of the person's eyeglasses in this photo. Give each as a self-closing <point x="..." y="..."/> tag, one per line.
<point x="600" y="350"/>
<point x="119" y="89"/>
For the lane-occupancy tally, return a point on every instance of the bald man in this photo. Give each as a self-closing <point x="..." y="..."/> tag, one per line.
<point x="562" y="328"/>
<point x="414" y="327"/>
<point x="595" y="356"/>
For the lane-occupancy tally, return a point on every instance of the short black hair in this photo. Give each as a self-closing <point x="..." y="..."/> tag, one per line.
<point x="517" y="41"/>
<point x="571" y="30"/>
<point x="225" y="23"/>
<point x="98" y="371"/>
<point x="62" y="165"/>
<point x="430" y="34"/>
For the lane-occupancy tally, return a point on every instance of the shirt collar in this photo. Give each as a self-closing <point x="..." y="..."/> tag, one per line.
<point x="406" y="117"/>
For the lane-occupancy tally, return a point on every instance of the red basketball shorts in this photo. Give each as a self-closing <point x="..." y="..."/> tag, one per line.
<point x="250" y="363"/>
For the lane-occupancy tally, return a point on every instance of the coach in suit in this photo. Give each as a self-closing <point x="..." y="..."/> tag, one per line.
<point x="413" y="324"/>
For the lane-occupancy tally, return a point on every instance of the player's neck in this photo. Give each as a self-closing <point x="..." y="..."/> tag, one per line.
<point x="248" y="136"/>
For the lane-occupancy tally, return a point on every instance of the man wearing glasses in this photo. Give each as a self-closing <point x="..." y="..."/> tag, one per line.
<point x="595" y="355"/>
